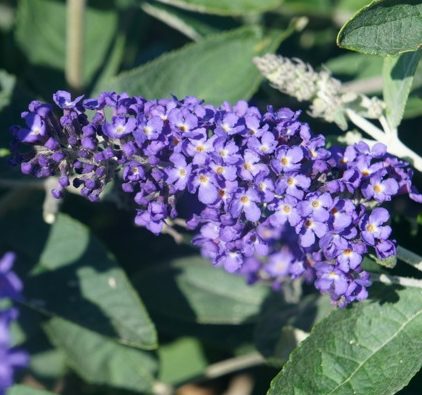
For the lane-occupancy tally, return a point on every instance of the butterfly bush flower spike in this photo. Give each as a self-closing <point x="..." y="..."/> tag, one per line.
<point x="266" y="198"/>
<point x="10" y="357"/>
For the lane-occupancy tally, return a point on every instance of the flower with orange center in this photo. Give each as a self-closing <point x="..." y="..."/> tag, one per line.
<point x="183" y="127"/>
<point x="316" y="203"/>
<point x="291" y="181"/>
<point x="286" y="208"/>
<point x="284" y="161"/>
<point x="203" y="179"/>
<point x="378" y="188"/>
<point x="200" y="148"/>
<point x="347" y="252"/>
<point x="223" y="153"/>
<point x="248" y="166"/>
<point x="309" y="223"/>
<point x="371" y="228"/>
<point x="219" y="170"/>
<point x="245" y="200"/>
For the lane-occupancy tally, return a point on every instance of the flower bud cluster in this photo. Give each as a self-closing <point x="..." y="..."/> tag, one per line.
<point x="271" y="201"/>
<point x="10" y="358"/>
<point x="328" y="100"/>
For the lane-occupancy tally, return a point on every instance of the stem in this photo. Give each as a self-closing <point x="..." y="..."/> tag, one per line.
<point x="171" y="20"/>
<point x="404" y="281"/>
<point x="366" y="126"/>
<point x="404" y="152"/>
<point x="169" y="230"/>
<point x="391" y="140"/>
<point x="180" y="222"/>
<point x="232" y="365"/>
<point x="51" y="205"/>
<point x="387" y="129"/>
<point x="75" y="43"/>
<point x="160" y="388"/>
<point x="241" y="384"/>
<point x="409" y="257"/>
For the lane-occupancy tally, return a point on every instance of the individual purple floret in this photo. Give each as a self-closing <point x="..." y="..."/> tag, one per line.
<point x="10" y="358"/>
<point x="268" y="199"/>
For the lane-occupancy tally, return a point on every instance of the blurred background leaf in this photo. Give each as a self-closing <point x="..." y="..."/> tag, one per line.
<point x="198" y="292"/>
<point x="225" y="7"/>
<point x="46" y="51"/>
<point x="70" y="274"/>
<point x="225" y="59"/>
<point x="201" y="314"/>
<point x="22" y="390"/>
<point x="100" y="360"/>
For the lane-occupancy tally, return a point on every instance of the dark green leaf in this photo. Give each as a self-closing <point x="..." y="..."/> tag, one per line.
<point x="351" y="5"/>
<point x="24" y="390"/>
<point x="49" y="363"/>
<point x="385" y="27"/>
<point x="225" y="7"/>
<point x="189" y="25"/>
<point x="323" y="8"/>
<point x="413" y="107"/>
<point x="100" y="360"/>
<point x="76" y="278"/>
<point x="7" y="16"/>
<point x="195" y="291"/>
<point x="216" y="69"/>
<point x="7" y="84"/>
<point x="371" y="348"/>
<point x="47" y="48"/>
<point x="221" y="337"/>
<point x="356" y="66"/>
<point x="398" y="78"/>
<point x="282" y="326"/>
<point x="186" y="349"/>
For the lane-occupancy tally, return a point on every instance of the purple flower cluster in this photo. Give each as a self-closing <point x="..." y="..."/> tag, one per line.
<point x="10" y="358"/>
<point x="274" y="202"/>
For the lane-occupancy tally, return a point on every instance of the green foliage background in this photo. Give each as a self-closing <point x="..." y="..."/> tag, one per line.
<point x="111" y="309"/>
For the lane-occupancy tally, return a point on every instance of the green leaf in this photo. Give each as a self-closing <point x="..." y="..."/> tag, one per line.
<point x="186" y="23"/>
<point x="226" y="338"/>
<point x="356" y="66"/>
<point x="47" y="48"/>
<point x="282" y="326"/>
<point x="322" y="8"/>
<point x="351" y="5"/>
<point x="7" y="84"/>
<point x="198" y="292"/>
<point x="100" y="360"/>
<point x="225" y="7"/>
<point x="13" y="99"/>
<point x="48" y="363"/>
<point x="384" y="27"/>
<point x="216" y="69"/>
<point x="73" y="276"/>
<point x="370" y="348"/>
<point x="398" y="76"/>
<point x="186" y="349"/>
<point x="409" y="257"/>
<point x="413" y="107"/>
<point x="90" y="275"/>
<point x="24" y="390"/>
